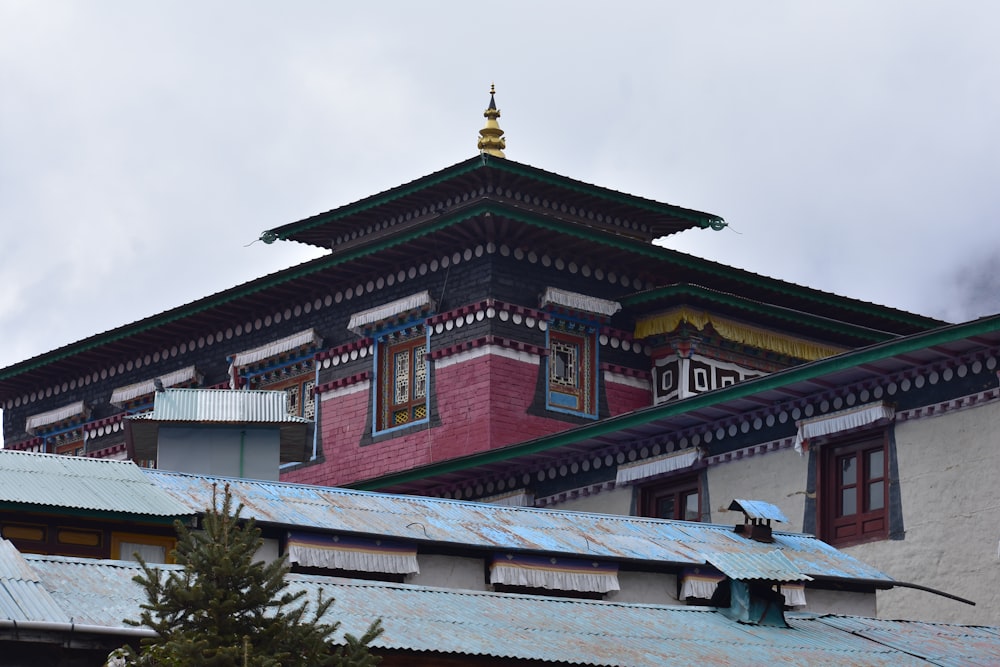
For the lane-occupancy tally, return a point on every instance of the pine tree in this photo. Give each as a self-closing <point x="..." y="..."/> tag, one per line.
<point x="227" y="609"/>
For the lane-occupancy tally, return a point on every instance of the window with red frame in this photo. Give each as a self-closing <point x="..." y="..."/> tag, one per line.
<point x="855" y="490"/>
<point x="674" y="499"/>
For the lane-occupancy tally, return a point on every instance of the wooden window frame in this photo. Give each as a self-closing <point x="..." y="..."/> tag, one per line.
<point x="677" y="488"/>
<point x="574" y="389"/>
<point x="870" y="520"/>
<point x="305" y="383"/>
<point x="391" y="410"/>
<point x="168" y="544"/>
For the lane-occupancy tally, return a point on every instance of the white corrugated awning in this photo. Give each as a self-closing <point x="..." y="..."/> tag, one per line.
<point x="553" y="296"/>
<point x="307" y="338"/>
<point x="844" y="420"/>
<point x="36" y="422"/>
<point x="133" y="391"/>
<point x="633" y="472"/>
<point x="339" y="552"/>
<point x="563" y="574"/>
<point x="360" y="320"/>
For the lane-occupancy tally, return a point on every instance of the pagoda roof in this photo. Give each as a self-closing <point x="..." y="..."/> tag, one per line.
<point x="485" y="221"/>
<point x="489" y="178"/>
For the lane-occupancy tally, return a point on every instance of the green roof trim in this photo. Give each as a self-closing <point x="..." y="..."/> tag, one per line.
<point x="285" y="231"/>
<point x="643" y="416"/>
<point x="481" y="208"/>
<point x="699" y="218"/>
<point x="681" y="290"/>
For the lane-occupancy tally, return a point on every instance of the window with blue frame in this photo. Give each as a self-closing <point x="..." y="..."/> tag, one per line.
<point x="286" y="365"/>
<point x="572" y="367"/>
<point x="400" y="389"/>
<point x="401" y="378"/>
<point x="571" y="338"/>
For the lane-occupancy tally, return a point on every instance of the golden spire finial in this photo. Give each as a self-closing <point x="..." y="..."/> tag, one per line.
<point x="491" y="141"/>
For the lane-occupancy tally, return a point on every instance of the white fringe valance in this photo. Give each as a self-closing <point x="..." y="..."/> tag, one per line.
<point x="518" y="498"/>
<point x="700" y="582"/>
<point x="361" y="320"/>
<point x="36" y="422"/>
<point x="554" y="573"/>
<point x="336" y="552"/>
<point x="633" y="472"/>
<point x="844" y="420"/>
<point x="133" y="391"/>
<point x="702" y="586"/>
<point x="307" y="338"/>
<point x="795" y="594"/>
<point x="575" y="301"/>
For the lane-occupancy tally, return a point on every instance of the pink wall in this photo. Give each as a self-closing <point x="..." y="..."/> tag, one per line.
<point x="482" y="404"/>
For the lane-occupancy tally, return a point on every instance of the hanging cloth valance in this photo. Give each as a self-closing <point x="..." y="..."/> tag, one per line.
<point x="553" y="296"/>
<point x="633" y="472"/>
<point x="563" y="574"/>
<point x="795" y="594"/>
<point x="844" y="420"/>
<point x="303" y="339"/>
<point x="340" y="552"/>
<point x="123" y="395"/>
<point x="734" y="331"/>
<point x="415" y="302"/>
<point x="700" y="582"/>
<point x="36" y="423"/>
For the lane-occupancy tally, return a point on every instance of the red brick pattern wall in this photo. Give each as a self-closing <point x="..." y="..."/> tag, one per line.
<point x="482" y="404"/>
<point x="625" y="398"/>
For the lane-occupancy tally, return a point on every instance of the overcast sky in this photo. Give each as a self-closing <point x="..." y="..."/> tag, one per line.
<point x="852" y="146"/>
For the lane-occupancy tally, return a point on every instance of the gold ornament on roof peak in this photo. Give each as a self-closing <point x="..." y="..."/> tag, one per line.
<point x="491" y="141"/>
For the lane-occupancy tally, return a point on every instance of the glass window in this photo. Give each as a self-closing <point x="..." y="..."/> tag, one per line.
<point x="854" y="493"/>
<point x="673" y="499"/>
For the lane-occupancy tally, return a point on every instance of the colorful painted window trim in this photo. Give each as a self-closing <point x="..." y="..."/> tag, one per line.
<point x="401" y="378"/>
<point x="572" y="368"/>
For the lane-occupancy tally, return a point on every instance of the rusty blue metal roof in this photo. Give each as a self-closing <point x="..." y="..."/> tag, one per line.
<point x="557" y="630"/>
<point x="477" y="525"/>
<point x="22" y="596"/>
<point x="82" y="483"/>
<point x="769" y="566"/>
<point x="758" y="509"/>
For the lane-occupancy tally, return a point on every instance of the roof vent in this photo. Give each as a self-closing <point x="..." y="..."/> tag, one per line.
<point x="757" y="517"/>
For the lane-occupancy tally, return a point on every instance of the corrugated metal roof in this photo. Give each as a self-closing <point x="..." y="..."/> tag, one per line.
<point x="22" y="596"/>
<point x="942" y="644"/>
<point x="220" y="405"/>
<point x="506" y="528"/>
<point x="93" y="591"/>
<point x="82" y="483"/>
<point x="558" y="630"/>
<point x="769" y="566"/>
<point x="758" y="509"/>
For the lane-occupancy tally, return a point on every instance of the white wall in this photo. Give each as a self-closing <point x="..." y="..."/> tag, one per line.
<point x="820" y="601"/>
<point x="949" y="470"/>
<point x="252" y="453"/>
<point x="645" y="588"/>
<point x="450" y="572"/>
<point x="778" y="477"/>
<point x="615" y="501"/>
